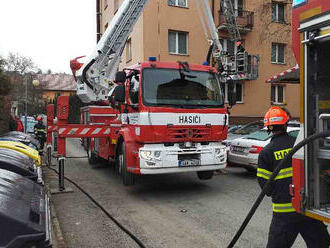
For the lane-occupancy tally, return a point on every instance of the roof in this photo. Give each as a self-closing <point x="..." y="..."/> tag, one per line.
<point x="288" y="76"/>
<point x="56" y="82"/>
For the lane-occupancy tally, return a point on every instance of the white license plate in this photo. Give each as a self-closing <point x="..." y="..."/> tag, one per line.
<point x="189" y="162"/>
<point x="238" y="149"/>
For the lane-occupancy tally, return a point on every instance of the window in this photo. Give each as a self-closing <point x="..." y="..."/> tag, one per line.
<point x="277" y="94"/>
<point x="229" y="46"/>
<point x="128" y="50"/>
<point x="298" y="2"/>
<point x="178" y="42"/>
<point x="134" y="89"/>
<point x="239" y="92"/>
<point x="106" y="26"/>
<point x="237" y="5"/>
<point x="105" y="4"/>
<point x="278" y="53"/>
<point x="178" y="3"/>
<point x="278" y="12"/>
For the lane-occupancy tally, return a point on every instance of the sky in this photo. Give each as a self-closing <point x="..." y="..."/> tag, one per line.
<point x="51" y="32"/>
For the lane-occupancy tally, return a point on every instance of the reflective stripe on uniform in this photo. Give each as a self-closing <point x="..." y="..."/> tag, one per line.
<point x="283" y="208"/>
<point x="281" y="154"/>
<point x="284" y="173"/>
<point x="264" y="173"/>
<point x="39" y="130"/>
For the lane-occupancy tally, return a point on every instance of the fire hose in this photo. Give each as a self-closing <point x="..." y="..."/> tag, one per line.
<point x="271" y="180"/>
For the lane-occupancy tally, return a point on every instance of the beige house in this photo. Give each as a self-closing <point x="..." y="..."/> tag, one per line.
<point x="171" y="31"/>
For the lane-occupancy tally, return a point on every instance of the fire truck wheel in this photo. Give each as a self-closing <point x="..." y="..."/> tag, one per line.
<point x="128" y="178"/>
<point x="92" y="158"/>
<point x="205" y="175"/>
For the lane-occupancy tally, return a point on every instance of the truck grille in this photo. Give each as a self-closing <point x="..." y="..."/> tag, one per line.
<point x="186" y="133"/>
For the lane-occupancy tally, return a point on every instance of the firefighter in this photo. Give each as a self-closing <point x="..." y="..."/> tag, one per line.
<point x="40" y="132"/>
<point x="286" y="223"/>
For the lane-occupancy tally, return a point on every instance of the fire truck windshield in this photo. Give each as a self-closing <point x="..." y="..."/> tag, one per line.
<point x="298" y="2"/>
<point x="193" y="89"/>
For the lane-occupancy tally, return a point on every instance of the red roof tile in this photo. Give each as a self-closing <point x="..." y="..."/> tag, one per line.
<point x="56" y="82"/>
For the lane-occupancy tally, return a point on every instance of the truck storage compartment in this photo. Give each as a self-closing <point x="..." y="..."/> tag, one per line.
<point x="19" y="163"/>
<point x="24" y="212"/>
<point x="318" y="105"/>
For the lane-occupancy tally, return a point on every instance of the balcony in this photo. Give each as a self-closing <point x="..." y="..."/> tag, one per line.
<point x="244" y="20"/>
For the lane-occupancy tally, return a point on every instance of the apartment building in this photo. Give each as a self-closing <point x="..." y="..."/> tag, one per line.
<point x="171" y="30"/>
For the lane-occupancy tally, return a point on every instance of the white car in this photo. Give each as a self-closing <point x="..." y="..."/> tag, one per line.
<point x="244" y="152"/>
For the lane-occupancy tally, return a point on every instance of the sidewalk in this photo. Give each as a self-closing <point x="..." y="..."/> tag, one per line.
<point x="78" y="222"/>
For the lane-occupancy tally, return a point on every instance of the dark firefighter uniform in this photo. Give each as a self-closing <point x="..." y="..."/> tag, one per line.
<point x="286" y="223"/>
<point x="40" y="133"/>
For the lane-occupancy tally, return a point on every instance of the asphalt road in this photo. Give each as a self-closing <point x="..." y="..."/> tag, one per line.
<point x="176" y="210"/>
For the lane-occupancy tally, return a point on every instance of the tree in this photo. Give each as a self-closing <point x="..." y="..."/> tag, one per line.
<point x="21" y="71"/>
<point x="5" y="87"/>
<point x="18" y="63"/>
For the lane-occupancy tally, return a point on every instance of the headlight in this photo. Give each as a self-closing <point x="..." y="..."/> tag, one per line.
<point x="157" y="154"/>
<point x="145" y="154"/>
<point x="219" y="151"/>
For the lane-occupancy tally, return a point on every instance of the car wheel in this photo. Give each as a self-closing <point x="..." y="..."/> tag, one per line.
<point x="205" y="175"/>
<point x="128" y="178"/>
<point x="251" y="169"/>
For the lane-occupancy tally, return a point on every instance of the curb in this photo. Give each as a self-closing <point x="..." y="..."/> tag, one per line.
<point x="58" y="238"/>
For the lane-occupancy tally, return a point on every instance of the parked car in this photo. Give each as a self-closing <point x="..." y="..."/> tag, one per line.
<point x="243" y="131"/>
<point x="233" y="128"/>
<point x="244" y="152"/>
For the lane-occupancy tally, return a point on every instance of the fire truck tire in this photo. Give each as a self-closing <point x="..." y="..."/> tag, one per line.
<point x="128" y="178"/>
<point x="205" y="175"/>
<point x="92" y="158"/>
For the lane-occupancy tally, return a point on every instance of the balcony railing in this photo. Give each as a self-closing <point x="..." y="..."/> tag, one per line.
<point x="244" y="20"/>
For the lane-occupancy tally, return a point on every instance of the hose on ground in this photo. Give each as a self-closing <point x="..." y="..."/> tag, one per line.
<point x="139" y="242"/>
<point x="271" y="179"/>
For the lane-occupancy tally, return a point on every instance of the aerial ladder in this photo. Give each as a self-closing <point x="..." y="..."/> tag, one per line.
<point x="95" y="77"/>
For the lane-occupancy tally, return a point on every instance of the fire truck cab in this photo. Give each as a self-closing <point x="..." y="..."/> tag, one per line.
<point x="171" y="118"/>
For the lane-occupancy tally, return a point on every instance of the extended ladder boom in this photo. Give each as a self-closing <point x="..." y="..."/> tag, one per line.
<point x="96" y="75"/>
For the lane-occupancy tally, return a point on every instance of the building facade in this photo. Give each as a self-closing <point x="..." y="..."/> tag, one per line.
<point x="171" y="30"/>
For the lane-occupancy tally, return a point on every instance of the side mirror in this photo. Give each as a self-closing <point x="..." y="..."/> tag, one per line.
<point x="119" y="93"/>
<point x="231" y="92"/>
<point x="120" y="77"/>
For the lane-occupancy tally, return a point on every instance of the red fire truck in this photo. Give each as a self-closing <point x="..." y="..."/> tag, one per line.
<point x="311" y="164"/>
<point x="163" y="117"/>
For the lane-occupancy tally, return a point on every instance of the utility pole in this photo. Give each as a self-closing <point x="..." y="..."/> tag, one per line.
<point x="26" y="100"/>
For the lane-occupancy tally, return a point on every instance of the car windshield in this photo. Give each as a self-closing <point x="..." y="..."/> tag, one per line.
<point x="181" y="88"/>
<point x="249" y="128"/>
<point x="261" y="135"/>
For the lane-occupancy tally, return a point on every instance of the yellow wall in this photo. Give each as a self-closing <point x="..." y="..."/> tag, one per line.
<point x="50" y="95"/>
